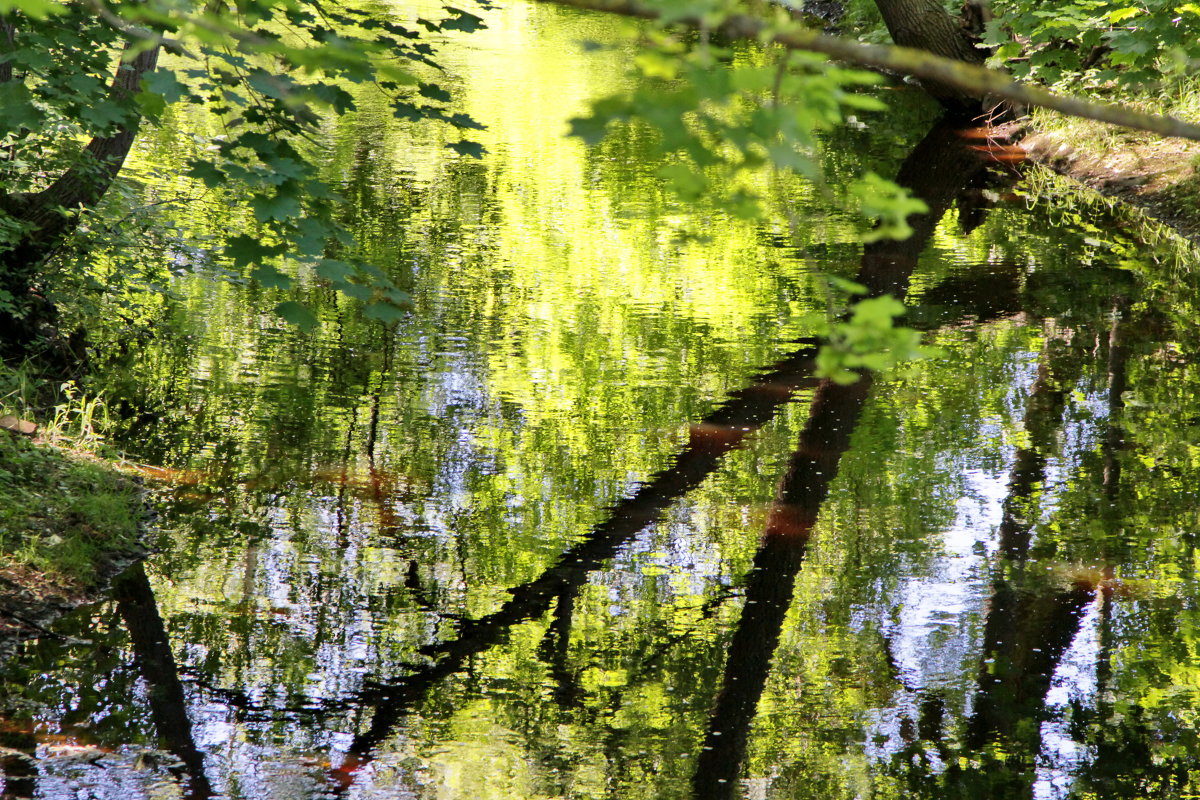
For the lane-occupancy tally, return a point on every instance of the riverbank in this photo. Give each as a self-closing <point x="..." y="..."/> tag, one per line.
<point x="69" y="520"/>
<point x="1156" y="175"/>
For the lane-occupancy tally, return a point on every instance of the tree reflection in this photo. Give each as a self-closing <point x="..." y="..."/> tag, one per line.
<point x="1034" y="616"/>
<point x="937" y="171"/>
<point x="152" y="653"/>
<point x="717" y="434"/>
<point x="835" y="410"/>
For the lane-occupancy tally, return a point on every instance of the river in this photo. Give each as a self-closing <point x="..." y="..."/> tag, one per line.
<point x="585" y="524"/>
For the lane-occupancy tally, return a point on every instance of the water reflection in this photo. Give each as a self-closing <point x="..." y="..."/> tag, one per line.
<point x="164" y="691"/>
<point x="886" y="268"/>
<point x="562" y="534"/>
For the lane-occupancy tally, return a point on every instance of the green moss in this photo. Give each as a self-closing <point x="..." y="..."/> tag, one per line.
<point x="63" y="514"/>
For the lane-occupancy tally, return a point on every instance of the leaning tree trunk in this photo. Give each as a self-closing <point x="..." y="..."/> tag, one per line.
<point x="926" y="25"/>
<point x="52" y="214"/>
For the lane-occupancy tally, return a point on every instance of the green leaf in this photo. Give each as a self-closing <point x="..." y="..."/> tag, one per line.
<point x="657" y="64"/>
<point x="463" y="121"/>
<point x="845" y="285"/>
<point x="684" y="180"/>
<point x="408" y="111"/>
<point x="102" y="116"/>
<point x="357" y="291"/>
<point x="163" y="83"/>
<point x="297" y="314"/>
<point x="244" y="250"/>
<point x="285" y="168"/>
<point x="37" y="9"/>
<point x="462" y="21"/>
<point x="17" y="109"/>
<point x="206" y="172"/>
<point x="862" y="102"/>
<point x="270" y="277"/>
<point x="590" y="129"/>
<point x="385" y="311"/>
<point x="1007" y="51"/>
<point x="335" y="97"/>
<point x="313" y="233"/>
<point x="151" y="105"/>
<point x="877" y="311"/>
<point x="434" y="92"/>
<point x="280" y="206"/>
<point x="888" y="203"/>
<point x="333" y="270"/>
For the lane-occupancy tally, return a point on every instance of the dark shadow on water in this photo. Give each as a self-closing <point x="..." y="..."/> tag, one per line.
<point x="937" y="171"/>
<point x="152" y="653"/>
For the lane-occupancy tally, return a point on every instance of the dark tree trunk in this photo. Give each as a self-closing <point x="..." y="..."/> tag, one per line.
<point x="8" y="43"/>
<point x="926" y="25"/>
<point x="52" y="214"/>
<point x="152" y="652"/>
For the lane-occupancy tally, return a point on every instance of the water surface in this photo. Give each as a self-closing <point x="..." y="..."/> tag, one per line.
<point x="585" y="524"/>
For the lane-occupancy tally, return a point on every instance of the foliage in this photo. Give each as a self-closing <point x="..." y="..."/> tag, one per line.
<point x="269" y="69"/>
<point x="64" y="512"/>
<point x="718" y="113"/>
<point x="1096" y="43"/>
<point x="399" y="480"/>
<point x="868" y="339"/>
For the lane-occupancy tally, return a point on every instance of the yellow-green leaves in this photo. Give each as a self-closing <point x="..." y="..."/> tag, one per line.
<point x="869" y="339"/>
<point x="37" y="9"/>
<point x="1122" y="14"/>
<point x="887" y="205"/>
<point x="719" y="115"/>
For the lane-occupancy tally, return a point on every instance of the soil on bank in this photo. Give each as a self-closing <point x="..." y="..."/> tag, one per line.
<point x="1156" y="175"/>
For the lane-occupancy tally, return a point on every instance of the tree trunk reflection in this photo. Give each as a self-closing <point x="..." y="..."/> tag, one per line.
<point x="152" y="652"/>
<point x="937" y="170"/>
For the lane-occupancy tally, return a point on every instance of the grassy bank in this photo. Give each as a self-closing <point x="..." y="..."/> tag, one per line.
<point x="1161" y="176"/>
<point x="66" y="514"/>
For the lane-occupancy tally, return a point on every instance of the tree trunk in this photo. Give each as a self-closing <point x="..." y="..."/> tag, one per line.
<point x="52" y="214"/>
<point x="926" y="25"/>
<point x="8" y="44"/>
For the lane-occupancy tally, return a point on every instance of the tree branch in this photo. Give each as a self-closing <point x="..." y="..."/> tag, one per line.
<point x="974" y="80"/>
<point x="85" y="183"/>
<point x="134" y="34"/>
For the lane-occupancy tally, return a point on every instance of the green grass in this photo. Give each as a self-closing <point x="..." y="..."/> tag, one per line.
<point x="64" y="511"/>
<point x="1181" y="100"/>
